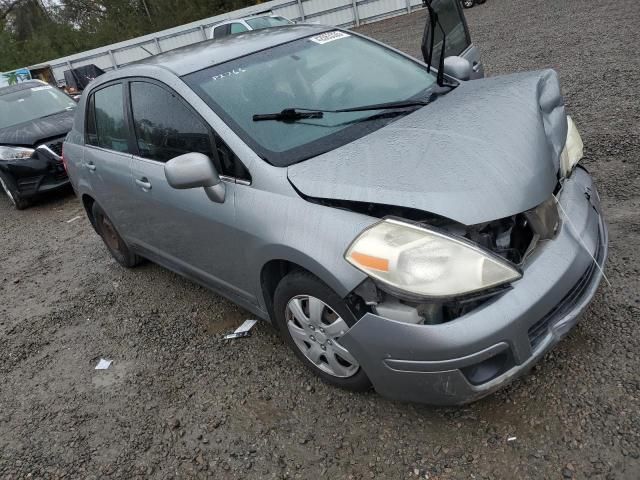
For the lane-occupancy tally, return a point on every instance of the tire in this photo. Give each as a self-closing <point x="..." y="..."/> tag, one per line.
<point x="468" y="3"/>
<point x="119" y="250"/>
<point x="13" y="196"/>
<point x="305" y="333"/>
<point x="480" y="2"/>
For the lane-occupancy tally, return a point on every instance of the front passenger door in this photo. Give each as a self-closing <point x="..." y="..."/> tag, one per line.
<point x="182" y="229"/>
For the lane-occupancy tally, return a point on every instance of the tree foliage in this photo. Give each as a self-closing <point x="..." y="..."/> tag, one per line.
<point x="34" y="31"/>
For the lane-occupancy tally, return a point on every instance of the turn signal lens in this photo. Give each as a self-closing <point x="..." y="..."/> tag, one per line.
<point x="573" y="149"/>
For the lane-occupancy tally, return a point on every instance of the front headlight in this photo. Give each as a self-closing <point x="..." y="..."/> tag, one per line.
<point x="573" y="149"/>
<point x="15" y="153"/>
<point x="425" y="262"/>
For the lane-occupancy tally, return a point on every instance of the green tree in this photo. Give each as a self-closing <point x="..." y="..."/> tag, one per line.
<point x="32" y="32"/>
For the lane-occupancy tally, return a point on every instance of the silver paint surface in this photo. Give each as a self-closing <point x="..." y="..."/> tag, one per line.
<point x="487" y="150"/>
<point x="422" y="363"/>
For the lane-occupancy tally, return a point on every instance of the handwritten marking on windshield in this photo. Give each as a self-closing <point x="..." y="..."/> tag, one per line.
<point x="235" y="71"/>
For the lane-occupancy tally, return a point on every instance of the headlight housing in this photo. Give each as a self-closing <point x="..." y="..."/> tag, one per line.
<point x="15" y="153"/>
<point x="573" y="149"/>
<point x="426" y="263"/>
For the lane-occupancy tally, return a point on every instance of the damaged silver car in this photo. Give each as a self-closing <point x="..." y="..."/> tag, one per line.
<point x="403" y="227"/>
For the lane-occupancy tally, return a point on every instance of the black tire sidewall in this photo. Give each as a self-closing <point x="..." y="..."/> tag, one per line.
<point x="124" y="256"/>
<point x="303" y="283"/>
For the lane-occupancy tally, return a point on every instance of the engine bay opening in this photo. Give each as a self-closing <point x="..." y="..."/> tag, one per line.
<point x="513" y="238"/>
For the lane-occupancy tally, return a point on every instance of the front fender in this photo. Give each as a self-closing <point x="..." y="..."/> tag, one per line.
<point x="314" y="237"/>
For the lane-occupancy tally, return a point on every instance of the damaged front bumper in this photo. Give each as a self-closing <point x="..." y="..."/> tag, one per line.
<point x="467" y="358"/>
<point x="32" y="176"/>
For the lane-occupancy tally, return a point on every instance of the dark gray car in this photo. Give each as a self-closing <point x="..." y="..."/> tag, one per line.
<point x="433" y="241"/>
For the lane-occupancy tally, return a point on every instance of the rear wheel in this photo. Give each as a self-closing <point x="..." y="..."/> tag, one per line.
<point x="468" y="3"/>
<point x="480" y="2"/>
<point x="14" y="197"/>
<point x="112" y="239"/>
<point x="312" y="318"/>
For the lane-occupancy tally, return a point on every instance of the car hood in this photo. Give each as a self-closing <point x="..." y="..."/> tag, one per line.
<point x="487" y="150"/>
<point x="31" y="133"/>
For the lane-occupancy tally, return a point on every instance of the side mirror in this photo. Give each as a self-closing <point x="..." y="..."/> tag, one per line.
<point x="195" y="170"/>
<point x="458" y="67"/>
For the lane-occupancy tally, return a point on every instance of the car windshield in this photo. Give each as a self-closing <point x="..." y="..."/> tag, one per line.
<point x="29" y="104"/>
<point x="266" y="22"/>
<point x="329" y="71"/>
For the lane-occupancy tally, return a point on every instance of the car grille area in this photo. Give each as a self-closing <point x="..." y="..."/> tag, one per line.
<point x="56" y="147"/>
<point x="538" y="330"/>
<point x="28" y="184"/>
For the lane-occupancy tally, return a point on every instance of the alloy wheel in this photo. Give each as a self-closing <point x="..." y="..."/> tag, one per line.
<point x="315" y="328"/>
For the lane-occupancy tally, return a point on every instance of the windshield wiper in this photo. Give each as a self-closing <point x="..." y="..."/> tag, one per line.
<point x="294" y="114"/>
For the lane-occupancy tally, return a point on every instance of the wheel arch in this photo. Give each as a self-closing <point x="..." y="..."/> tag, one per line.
<point x="276" y="268"/>
<point x="87" y="203"/>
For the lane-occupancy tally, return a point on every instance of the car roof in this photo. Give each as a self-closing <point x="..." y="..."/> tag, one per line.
<point x="191" y="58"/>
<point x="21" y="86"/>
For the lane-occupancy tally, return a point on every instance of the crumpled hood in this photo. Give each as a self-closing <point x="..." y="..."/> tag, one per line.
<point x="33" y="132"/>
<point x="487" y="150"/>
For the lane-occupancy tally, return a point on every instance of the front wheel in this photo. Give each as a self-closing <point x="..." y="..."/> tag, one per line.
<point x="311" y="318"/>
<point x="468" y="3"/>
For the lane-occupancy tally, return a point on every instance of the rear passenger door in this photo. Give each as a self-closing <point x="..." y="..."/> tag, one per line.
<point x="458" y="41"/>
<point x="107" y="156"/>
<point x="183" y="229"/>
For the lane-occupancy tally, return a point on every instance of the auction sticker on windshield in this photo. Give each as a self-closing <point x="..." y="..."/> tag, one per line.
<point x="329" y="37"/>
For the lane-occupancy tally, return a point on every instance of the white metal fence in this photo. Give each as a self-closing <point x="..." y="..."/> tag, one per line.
<point x="343" y="13"/>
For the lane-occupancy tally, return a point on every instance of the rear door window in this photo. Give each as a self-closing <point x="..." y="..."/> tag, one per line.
<point x="106" y="127"/>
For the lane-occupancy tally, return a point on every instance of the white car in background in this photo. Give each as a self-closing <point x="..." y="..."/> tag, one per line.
<point x="239" y="25"/>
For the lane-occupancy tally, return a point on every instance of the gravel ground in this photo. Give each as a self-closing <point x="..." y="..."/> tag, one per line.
<point x="180" y="402"/>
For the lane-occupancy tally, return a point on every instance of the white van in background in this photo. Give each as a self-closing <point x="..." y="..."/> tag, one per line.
<point x="239" y="25"/>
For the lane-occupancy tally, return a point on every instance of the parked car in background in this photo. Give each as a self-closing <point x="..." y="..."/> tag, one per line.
<point x="239" y="25"/>
<point x="34" y="119"/>
<point x="401" y="227"/>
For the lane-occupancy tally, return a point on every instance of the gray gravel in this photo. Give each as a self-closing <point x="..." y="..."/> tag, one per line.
<point x="180" y="402"/>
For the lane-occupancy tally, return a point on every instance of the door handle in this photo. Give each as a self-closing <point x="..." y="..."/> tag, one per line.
<point x="143" y="183"/>
<point x="91" y="166"/>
